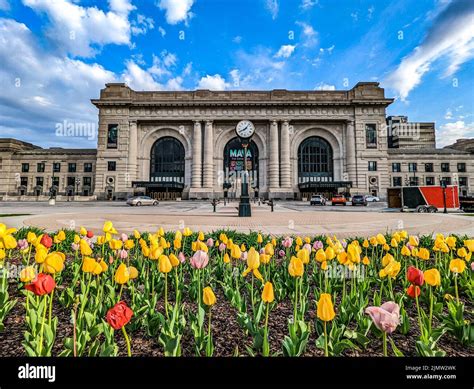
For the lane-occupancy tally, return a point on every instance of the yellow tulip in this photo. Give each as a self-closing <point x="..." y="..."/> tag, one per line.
<point x="413" y="240"/>
<point x="109" y="228"/>
<point x="88" y="265"/>
<point x="325" y="308"/>
<point x="457" y="266"/>
<point x="469" y="243"/>
<point x="129" y="244"/>
<point x="386" y="259"/>
<point x="41" y="253"/>
<point x="54" y="262"/>
<point x="122" y="274"/>
<point x="242" y="247"/>
<point x="161" y="232"/>
<point x="31" y="237"/>
<point x="253" y="263"/>
<point x="432" y="277"/>
<point x="115" y="244"/>
<point x="259" y="239"/>
<point x="2" y="254"/>
<point x="174" y="260"/>
<point x="177" y="244"/>
<point x="208" y="296"/>
<point x="132" y="270"/>
<point x="83" y="231"/>
<point x="164" y="264"/>
<point x="365" y="244"/>
<point x="296" y="267"/>
<point x="320" y="255"/>
<point x="303" y="254"/>
<point x="299" y="241"/>
<point x="366" y="260"/>
<point x="223" y="237"/>
<point x="381" y="239"/>
<point x="269" y="250"/>
<point x="201" y="235"/>
<point x="392" y="269"/>
<point x="265" y="258"/>
<point x="267" y="294"/>
<point x="235" y="252"/>
<point x="101" y="239"/>
<point x="136" y="234"/>
<point x="59" y="237"/>
<point x="330" y="254"/>
<point x="423" y="253"/>
<point x="226" y="258"/>
<point x="462" y="252"/>
<point x="103" y="265"/>
<point x="187" y="231"/>
<point x="451" y="241"/>
<point x="405" y="251"/>
<point x="394" y="242"/>
<point x="27" y="274"/>
<point x="373" y="241"/>
<point x="85" y="248"/>
<point x="324" y="265"/>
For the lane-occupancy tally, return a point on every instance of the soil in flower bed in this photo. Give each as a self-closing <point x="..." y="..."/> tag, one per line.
<point x="229" y="338"/>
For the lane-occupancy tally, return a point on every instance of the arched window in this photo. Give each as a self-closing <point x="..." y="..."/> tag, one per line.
<point x="234" y="160"/>
<point x="315" y="159"/>
<point x="167" y="160"/>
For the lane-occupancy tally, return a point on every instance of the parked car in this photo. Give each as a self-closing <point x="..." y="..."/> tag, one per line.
<point x="141" y="200"/>
<point x="359" y="200"/>
<point x="338" y="199"/>
<point x="317" y="200"/>
<point x="371" y="199"/>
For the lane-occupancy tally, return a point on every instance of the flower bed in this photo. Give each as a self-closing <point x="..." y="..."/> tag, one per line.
<point x="228" y="294"/>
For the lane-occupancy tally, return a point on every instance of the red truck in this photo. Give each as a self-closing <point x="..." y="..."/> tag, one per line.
<point x="424" y="198"/>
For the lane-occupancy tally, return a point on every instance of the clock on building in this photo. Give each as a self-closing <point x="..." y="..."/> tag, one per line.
<point x="245" y="129"/>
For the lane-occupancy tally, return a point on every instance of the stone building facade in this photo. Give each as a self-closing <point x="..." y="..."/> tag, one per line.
<point x="183" y="145"/>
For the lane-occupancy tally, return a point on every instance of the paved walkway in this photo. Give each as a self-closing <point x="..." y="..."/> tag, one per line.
<point x="288" y="218"/>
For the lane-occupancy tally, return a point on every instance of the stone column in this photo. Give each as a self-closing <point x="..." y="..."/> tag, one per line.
<point x="273" y="166"/>
<point x="196" y="179"/>
<point x="132" y="153"/>
<point x="208" y="156"/>
<point x="285" y="155"/>
<point x="350" y="153"/>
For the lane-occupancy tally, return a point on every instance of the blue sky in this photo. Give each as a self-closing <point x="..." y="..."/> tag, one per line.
<point x="56" y="55"/>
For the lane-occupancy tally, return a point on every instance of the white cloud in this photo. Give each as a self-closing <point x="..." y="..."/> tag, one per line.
<point x="451" y="38"/>
<point x="162" y="31"/>
<point x="309" y="34"/>
<point x="79" y="30"/>
<point x="285" y="51"/>
<point x="176" y="11"/>
<point x="33" y="79"/>
<point x="142" y="24"/>
<point x="355" y="16"/>
<point x="324" y="86"/>
<point x="273" y="7"/>
<point x="237" y="39"/>
<point x="308" y="4"/>
<point x="450" y="132"/>
<point x="449" y="114"/>
<point x="370" y="12"/>
<point x="215" y="82"/>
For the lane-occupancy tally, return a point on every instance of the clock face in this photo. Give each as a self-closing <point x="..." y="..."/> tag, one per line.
<point x="245" y="129"/>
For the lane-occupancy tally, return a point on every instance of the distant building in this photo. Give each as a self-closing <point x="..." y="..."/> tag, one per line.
<point x="183" y="144"/>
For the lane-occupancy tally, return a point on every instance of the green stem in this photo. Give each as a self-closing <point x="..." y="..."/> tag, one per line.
<point x="431" y="308"/>
<point x="209" y="339"/>
<point x="266" y="346"/>
<point x="326" y="353"/>
<point x="127" y="340"/>
<point x="51" y="307"/>
<point x="166" y="294"/>
<point x="384" y="344"/>
<point x="296" y="301"/>
<point x="456" y="287"/>
<point x="419" y="314"/>
<point x="251" y="297"/>
<point x="42" y="325"/>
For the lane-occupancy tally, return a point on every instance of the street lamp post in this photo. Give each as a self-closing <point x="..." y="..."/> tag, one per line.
<point x="244" y="130"/>
<point x="443" y="185"/>
<point x="78" y="182"/>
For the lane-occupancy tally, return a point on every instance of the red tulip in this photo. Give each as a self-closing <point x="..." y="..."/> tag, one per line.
<point x="90" y="234"/>
<point x="413" y="291"/>
<point x="46" y="241"/>
<point x="41" y="285"/>
<point x="415" y="276"/>
<point x="119" y="315"/>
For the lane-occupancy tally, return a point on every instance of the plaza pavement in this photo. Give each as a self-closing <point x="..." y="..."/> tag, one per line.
<point x="287" y="218"/>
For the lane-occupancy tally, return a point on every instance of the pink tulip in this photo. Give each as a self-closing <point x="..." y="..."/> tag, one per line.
<point x="124" y="237"/>
<point x="344" y="244"/>
<point x="199" y="260"/>
<point x="22" y="244"/>
<point x="262" y="251"/>
<point x="472" y="266"/>
<point x="123" y="254"/>
<point x="210" y="242"/>
<point x="386" y="317"/>
<point x="287" y="242"/>
<point x="318" y="245"/>
<point x="243" y="256"/>
<point x="222" y="247"/>
<point x="307" y="246"/>
<point x="181" y="257"/>
<point x="281" y="253"/>
<point x="75" y="246"/>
